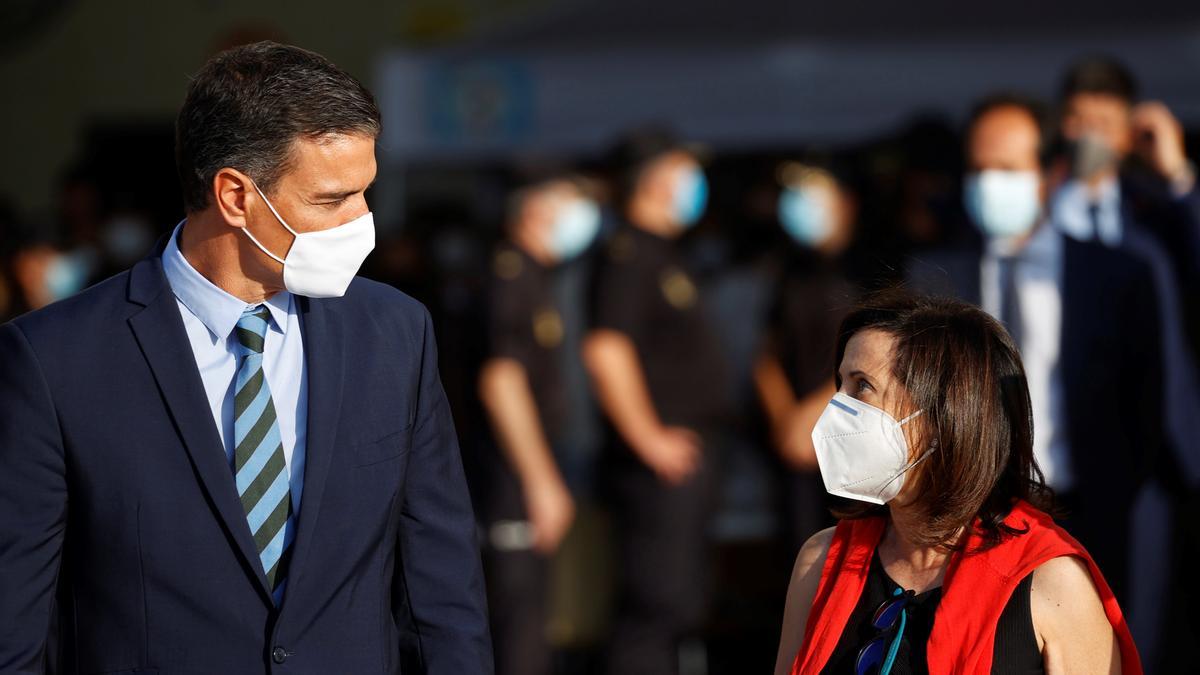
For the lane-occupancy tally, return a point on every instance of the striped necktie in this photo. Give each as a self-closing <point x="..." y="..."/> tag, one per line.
<point x="259" y="467"/>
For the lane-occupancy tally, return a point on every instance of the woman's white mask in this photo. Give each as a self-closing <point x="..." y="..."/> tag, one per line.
<point x="322" y="264"/>
<point x="861" y="450"/>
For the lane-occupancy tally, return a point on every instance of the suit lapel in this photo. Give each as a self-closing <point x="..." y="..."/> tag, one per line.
<point x="159" y="331"/>
<point x="1070" y="343"/>
<point x="324" y="353"/>
<point x="972" y="281"/>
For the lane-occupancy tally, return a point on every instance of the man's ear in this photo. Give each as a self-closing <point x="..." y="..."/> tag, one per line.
<point x="229" y="190"/>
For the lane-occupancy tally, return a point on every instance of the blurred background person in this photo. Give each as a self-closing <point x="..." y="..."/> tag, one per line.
<point x="1129" y="172"/>
<point x="40" y="273"/>
<point x="658" y="375"/>
<point x="1085" y="319"/>
<point x="530" y="503"/>
<point x="1131" y="186"/>
<point x="813" y="292"/>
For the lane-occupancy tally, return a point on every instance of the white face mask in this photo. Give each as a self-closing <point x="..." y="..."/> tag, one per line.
<point x="575" y="228"/>
<point x="322" y="264"/>
<point x="1003" y="203"/>
<point x="861" y="450"/>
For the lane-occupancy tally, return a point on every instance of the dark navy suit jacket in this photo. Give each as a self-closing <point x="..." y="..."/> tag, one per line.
<point x="119" y="514"/>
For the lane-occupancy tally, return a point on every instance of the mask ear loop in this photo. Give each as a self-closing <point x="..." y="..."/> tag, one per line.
<point x="910" y="465"/>
<point x="907" y="468"/>
<point x="262" y="248"/>
<point x="272" y="207"/>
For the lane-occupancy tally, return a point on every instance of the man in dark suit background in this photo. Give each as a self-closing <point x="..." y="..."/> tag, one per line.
<point x="237" y="457"/>
<point x="1132" y="187"/>
<point x="1130" y="182"/>
<point x="1086" y="319"/>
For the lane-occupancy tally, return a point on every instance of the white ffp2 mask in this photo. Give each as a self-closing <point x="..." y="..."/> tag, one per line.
<point x="861" y="450"/>
<point x="322" y="264"/>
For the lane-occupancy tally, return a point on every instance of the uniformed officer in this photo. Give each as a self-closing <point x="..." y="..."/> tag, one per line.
<point x="813" y="291"/>
<point x="529" y="507"/>
<point x="659" y="379"/>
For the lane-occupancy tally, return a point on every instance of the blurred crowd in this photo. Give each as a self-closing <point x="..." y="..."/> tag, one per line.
<point x="637" y="346"/>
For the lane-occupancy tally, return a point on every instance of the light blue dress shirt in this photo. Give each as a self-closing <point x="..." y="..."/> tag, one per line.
<point x="209" y="316"/>
<point x="1039" y="278"/>
<point x="1070" y="210"/>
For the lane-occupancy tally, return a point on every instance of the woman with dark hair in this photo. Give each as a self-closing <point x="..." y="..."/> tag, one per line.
<point x="945" y="560"/>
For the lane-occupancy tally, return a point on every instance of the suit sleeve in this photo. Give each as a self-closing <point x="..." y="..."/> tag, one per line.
<point x="1143" y="366"/>
<point x="447" y="627"/>
<point x="1189" y="235"/>
<point x="33" y="505"/>
<point x="1186" y="253"/>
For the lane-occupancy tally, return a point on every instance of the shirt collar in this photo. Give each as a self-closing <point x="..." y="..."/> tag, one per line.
<point x="218" y="310"/>
<point x="1042" y="246"/>
<point x="1071" y="204"/>
<point x="1108" y="193"/>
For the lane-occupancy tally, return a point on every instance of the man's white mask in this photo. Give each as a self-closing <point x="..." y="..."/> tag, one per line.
<point x="322" y="264"/>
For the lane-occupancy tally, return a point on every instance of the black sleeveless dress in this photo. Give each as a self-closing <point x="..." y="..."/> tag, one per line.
<point x="1015" y="653"/>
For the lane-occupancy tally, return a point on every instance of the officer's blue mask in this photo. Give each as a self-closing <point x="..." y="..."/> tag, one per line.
<point x="691" y="197"/>
<point x="66" y="275"/>
<point x="575" y="228"/>
<point x="806" y="215"/>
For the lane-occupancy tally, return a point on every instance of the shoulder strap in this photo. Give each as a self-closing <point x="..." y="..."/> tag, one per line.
<point x="842" y="580"/>
<point x="979" y="585"/>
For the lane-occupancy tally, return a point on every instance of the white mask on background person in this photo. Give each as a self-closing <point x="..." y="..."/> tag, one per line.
<point x="126" y="237"/>
<point x="575" y="228"/>
<point x="861" y="450"/>
<point x="66" y="275"/>
<point x="1003" y="203"/>
<point x="806" y="215"/>
<point x="1090" y="156"/>
<point x="322" y="264"/>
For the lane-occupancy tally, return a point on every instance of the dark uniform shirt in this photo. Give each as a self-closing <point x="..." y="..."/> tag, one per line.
<point x="525" y="324"/>
<point x="644" y="291"/>
<point x="813" y="298"/>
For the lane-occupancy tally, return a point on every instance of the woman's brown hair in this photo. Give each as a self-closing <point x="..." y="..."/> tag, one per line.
<point x="961" y="368"/>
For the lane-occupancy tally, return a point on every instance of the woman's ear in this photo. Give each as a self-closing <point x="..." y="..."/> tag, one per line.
<point x="920" y="435"/>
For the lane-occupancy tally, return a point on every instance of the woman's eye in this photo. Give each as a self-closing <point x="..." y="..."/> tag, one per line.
<point x="862" y="385"/>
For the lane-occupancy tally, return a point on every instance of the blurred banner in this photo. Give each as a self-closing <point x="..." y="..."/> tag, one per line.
<point x="488" y="102"/>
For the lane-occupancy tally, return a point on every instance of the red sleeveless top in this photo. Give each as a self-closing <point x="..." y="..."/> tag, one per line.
<point x="976" y="589"/>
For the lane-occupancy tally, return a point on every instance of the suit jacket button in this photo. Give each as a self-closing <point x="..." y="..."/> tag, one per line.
<point x="279" y="655"/>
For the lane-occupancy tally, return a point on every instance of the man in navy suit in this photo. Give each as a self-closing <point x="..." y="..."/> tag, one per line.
<point x="1132" y="188"/>
<point x="237" y="457"/>
<point x="1131" y="185"/>
<point x="1086" y="319"/>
